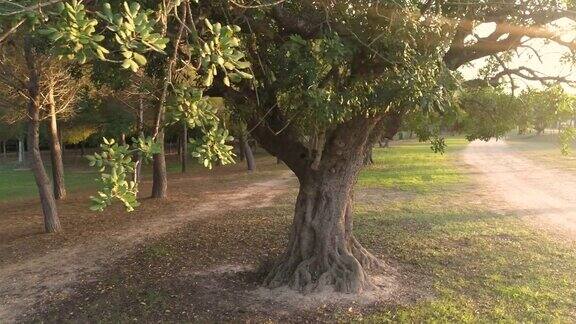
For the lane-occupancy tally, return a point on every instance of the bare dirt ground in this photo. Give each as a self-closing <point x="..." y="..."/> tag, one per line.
<point x="544" y="196"/>
<point x="44" y="276"/>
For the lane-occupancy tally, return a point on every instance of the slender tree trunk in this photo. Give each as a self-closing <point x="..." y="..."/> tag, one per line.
<point x="4" y="153"/>
<point x="159" y="173"/>
<point x="247" y="150"/>
<point x="368" y="158"/>
<point x="184" y="147"/>
<point x="20" y="151"/>
<point x="56" y="151"/>
<point x="140" y="127"/>
<point x="61" y="140"/>
<point x="51" y="220"/>
<point x="159" y="177"/>
<point x="82" y="148"/>
<point x="240" y="148"/>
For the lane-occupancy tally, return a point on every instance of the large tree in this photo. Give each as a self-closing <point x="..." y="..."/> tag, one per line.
<point x="335" y="75"/>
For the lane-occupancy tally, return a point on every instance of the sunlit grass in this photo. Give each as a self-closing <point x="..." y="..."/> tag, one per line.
<point x="461" y="261"/>
<point x="17" y="183"/>
<point x="544" y="149"/>
<point x="410" y="165"/>
<point x="481" y="266"/>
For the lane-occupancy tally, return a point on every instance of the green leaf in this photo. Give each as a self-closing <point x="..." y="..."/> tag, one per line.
<point x="140" y="59"/>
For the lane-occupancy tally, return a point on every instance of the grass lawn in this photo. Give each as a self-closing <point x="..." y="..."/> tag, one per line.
<point x="412" y="166"/>
<point x="19" y="183"/>
<point x="545" y="149"/>
<point x="459" y="261"/>
<point x="483" y="266"/>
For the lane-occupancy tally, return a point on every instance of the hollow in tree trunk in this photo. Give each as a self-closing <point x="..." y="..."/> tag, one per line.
<point x="159" y="178"/>
<point x="51" y="220"/>
<point x="56" y="151"/>
<point x="247" y="150"/>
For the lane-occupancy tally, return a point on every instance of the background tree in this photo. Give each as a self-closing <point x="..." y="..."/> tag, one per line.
<point x="68" y="31"/>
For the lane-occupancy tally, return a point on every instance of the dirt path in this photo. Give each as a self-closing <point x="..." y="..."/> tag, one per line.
<point x="26" y="284"/>
<point x="545" y="196"/>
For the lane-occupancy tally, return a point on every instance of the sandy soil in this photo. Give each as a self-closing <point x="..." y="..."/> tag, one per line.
<point x="545" y="197"/>
<point x="30" y="282"/>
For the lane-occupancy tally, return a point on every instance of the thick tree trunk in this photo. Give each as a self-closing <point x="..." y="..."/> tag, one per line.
<point x="247" y="150"/>
<point x="56" y="151"/>
<point x="159" y="177"/>
<point x="323" y="252"/>
<point x="51" y="220"/>
<point x="184" y="147"/>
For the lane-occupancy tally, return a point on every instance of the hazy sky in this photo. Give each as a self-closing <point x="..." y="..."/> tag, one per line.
<point x="550" y="54"/>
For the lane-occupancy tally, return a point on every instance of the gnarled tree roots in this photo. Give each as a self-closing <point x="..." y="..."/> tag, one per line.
<point x="343" y="269"/>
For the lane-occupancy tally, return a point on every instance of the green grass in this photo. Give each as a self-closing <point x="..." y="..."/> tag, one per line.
<point x="544" y="149"/>
<point x="459" y="260"/>
<point x="412" y="166"/>
<point x="19" y="183"/>
<point x="481" y="266"/>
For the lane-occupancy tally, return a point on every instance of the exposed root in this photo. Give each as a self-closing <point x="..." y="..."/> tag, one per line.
<point x="339" y="271"/>
<point x="367" y="260"/>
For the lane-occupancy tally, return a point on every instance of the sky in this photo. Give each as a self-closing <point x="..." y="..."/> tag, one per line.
<point x="550" y="53"/>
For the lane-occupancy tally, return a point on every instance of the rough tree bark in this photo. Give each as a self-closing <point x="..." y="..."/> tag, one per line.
<point x="56" y="150"/>
<point x="322" y="252"/>
<point x="159" y="177"/>
<point x="247" y="152"/>
<point x="51" y="220"/>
